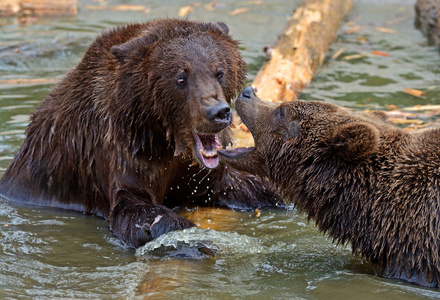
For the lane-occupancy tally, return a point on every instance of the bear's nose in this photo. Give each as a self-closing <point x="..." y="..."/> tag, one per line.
<point x="247" y="92"/>
<point x="220" y="113"/>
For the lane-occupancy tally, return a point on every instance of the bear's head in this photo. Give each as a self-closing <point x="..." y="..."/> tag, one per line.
<point x="180" y="76"/>
<point x="296" y="138"/>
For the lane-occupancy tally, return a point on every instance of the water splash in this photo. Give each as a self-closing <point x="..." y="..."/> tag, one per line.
<point x="189" y="243"/>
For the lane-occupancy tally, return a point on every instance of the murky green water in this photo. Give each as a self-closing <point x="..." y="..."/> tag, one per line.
<point x="46" y="253"/>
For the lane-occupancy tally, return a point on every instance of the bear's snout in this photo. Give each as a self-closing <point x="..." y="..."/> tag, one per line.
<point x="220" y="114"/>
<point x="246" y="93"/>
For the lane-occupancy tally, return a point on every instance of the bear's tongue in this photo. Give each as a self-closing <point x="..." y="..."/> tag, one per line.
<point x="206" y="149"/>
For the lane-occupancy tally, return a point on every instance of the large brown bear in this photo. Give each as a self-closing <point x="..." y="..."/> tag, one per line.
<point x="134" y="130"/>
<point x="363" y="180"/>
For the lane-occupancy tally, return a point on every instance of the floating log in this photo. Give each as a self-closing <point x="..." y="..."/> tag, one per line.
<point x="298" y="53"/>
<point x="38" y="8"/>
<point x="300" y="49"/>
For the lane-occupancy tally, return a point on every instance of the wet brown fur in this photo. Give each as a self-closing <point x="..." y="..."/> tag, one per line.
<point x="360" y="178"/>
<point x="114" y="138"/>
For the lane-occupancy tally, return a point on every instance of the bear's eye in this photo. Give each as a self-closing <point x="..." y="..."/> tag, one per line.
<point x="220" y="74"/>
<point x="181" y="81"/>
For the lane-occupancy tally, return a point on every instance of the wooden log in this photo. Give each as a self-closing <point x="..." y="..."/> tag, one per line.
<point x="38" y="8"/>
<point x="300" y="49"/>
<point x="298" y="53"/>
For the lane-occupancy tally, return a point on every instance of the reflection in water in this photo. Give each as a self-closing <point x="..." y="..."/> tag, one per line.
<point x="213" y="218"/>
<point x="48" y="253"/>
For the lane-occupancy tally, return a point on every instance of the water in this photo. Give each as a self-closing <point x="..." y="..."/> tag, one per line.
<point x="375" y="81"/>
<point x="47" y="253"/>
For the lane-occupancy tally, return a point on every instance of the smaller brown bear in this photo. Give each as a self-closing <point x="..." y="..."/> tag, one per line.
<point x="363" y="180"/>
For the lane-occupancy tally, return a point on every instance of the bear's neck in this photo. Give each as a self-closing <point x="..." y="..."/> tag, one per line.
<point x="338" y="196"/>
<point x="339" y="203"/>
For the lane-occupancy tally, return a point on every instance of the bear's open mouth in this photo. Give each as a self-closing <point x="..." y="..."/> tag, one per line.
<point x="206" y="149"/>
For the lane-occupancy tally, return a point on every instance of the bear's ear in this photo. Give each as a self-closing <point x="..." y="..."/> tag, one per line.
<point x="120" y="51"/>
<point x="353" y="141"/>
<point x="219" y="26"/>
<point x="223" y="27"/>
<point x="133" y="46"/>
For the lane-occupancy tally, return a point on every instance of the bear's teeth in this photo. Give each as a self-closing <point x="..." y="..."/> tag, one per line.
<point x="207" y="146"/>
<point x="208" y="154"/>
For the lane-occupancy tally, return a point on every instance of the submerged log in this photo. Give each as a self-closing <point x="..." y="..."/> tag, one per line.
<point x="428" y="18"/>
<point x="300" y="49"/>
<point x="38" y="8"/>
